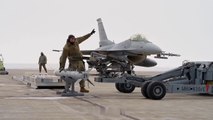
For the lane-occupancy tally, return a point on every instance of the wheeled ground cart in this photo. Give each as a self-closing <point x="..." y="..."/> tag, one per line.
<point x="191" y="77"/>
<point x="2" y="68"/>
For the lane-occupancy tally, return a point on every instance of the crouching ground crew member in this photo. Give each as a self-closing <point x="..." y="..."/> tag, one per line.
<point x="72" y="51"/>
<point x="42" y="62"/>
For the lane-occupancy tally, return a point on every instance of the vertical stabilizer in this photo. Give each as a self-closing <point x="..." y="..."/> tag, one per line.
<point x="102" y="34"/>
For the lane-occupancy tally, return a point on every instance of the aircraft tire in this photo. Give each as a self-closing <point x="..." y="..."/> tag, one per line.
<point x="125" y="87"/>
<point x="144" y="89"/>
<point x="117" y="86"/>
<point x="156" y="90"/>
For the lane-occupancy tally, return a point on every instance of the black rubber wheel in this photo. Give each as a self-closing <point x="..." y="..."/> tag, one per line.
<point x="125" y="87"/>
<point x="7" y="73"/>
<point x="117" y="86"/>
<point x="144" y="89"/>
<point x="156" y="90"/>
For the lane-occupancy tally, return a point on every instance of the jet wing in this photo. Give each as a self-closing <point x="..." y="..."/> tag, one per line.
<point x="87" y="52"/>
<point x="115" y="52"/>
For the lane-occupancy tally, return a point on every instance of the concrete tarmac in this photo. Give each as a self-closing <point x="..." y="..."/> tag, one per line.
<point x="104" y="102"/>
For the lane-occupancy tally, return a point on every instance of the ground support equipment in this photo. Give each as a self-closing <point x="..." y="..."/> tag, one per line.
<point x="70" y="78"/>
<point x="191" y="77"/>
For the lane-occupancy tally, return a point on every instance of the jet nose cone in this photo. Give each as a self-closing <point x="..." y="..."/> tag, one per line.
<point x="151" y="48"/>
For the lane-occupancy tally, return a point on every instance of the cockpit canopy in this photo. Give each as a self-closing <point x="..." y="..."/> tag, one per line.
<point x="138" y="37"/>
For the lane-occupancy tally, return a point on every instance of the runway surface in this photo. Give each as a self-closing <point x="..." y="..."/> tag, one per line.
<point x="104" y="102"/>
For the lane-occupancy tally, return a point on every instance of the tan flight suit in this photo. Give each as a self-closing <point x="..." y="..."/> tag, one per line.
<point x="42" y="62"/>
<point x="73" y="53"/>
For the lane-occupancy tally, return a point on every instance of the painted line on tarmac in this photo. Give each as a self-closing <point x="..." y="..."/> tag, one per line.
<point x="122" y="113"/>
<point x="36" y="98"/>
<point x="104" y="110"/>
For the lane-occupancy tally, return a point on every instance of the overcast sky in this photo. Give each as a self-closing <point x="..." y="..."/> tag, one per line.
<point x="28" y="27"/>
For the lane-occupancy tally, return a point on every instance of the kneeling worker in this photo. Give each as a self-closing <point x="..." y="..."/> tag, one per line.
<point x="72" y="51"/>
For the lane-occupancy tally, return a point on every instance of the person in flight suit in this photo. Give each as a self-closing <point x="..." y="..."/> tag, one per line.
<point x="72" y="51"/>
<point x="42" y="62"/>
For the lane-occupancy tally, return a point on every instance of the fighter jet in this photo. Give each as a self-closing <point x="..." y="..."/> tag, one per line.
<point x="124" y="55"/>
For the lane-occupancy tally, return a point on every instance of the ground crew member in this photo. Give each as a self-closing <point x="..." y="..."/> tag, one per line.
<point x="72" y="51"/>
<point x="42" y="62"/>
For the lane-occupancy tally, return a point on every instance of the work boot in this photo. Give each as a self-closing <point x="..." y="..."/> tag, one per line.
<point x="84" y="90"/>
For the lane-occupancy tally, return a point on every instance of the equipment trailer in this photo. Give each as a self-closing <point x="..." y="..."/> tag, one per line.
<point x="2" y="68"/>
<point x="191" y="77"/>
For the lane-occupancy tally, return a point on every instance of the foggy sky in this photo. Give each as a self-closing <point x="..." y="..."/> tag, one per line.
<point x="28" y="27"/>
